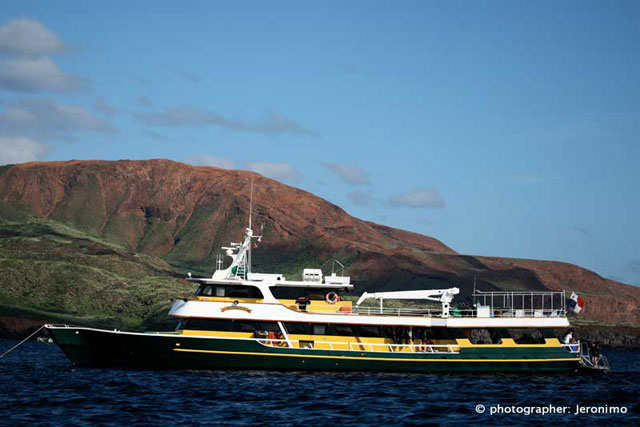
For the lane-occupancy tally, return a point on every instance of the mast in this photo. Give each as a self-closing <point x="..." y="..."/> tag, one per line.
<point x="251" y="201"/>
<point x="250" y="213"/>
<point x="240" y="253"/>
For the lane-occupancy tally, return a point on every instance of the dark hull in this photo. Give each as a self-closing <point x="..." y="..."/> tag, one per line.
<point x="99" y="348"/>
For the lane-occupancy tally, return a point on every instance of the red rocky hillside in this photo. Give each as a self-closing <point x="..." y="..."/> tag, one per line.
<point x="184" y="214"/>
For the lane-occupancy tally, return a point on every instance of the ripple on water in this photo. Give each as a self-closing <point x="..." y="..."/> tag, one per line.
<point x="38" y="385"/>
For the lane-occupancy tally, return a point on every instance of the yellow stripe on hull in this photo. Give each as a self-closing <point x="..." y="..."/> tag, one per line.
<point x="221" y="334"/>
<point x="383" y="359"/>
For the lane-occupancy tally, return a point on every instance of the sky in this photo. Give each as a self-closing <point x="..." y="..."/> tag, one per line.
<point x="502" y="128"/>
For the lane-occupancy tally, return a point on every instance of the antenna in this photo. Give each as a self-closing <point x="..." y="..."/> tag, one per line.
<point x="251" y="201"/>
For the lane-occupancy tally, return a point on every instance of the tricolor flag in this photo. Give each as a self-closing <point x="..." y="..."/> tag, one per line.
<point x="575" y="303"/>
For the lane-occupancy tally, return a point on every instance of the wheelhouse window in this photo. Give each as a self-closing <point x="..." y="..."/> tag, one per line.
<point x="198" y="324"/>
<point x="314" y="294"/>
<point x="229" y="291"/>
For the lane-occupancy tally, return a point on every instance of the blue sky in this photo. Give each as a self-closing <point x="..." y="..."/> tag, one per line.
<point x="502" y="128"/>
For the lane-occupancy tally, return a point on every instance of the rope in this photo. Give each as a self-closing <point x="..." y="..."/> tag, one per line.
<point x="21" y="342"/>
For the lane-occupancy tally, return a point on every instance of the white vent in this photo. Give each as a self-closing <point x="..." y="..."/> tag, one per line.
<point x="337" y="280"/>
<point x="312" y="275"/>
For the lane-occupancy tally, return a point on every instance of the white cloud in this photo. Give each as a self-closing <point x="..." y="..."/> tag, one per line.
<point x="145" y="101"/>
<point x="526" y="179"/>
<point x="194" y="117"/>
<point x="24" y="36"/>
<point x="43" y="119"/>
<point x="103" y="106"/>
<point x="419" y="198"/>
<point x="184" y="74"/>
<point x="279" y="171"/>
<point x="19" y="150"/>
<point x="207" y="160"/>
<point x="354" y="175"/>
<point x="36" y="75"/>
<point x="359" y="198"/>
<point x="633" y="265"/>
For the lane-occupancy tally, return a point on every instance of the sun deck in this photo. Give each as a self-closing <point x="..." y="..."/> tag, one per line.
<point x="538" y="304"/>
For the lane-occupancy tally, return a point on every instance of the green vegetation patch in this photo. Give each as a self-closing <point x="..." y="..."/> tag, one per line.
<point x="65" y="274"/>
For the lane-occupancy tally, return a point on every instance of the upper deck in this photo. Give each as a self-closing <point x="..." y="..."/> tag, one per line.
<point x="265" y="296"/>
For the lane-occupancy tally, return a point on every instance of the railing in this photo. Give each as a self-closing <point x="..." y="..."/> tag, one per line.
<point x="573" y="348"/>
<point x="486" y="304"/>
<point x="591" y="361"/>
<point x="360" y="346"/>
<point x="533" y="302"/>
<point x="429" y="312"/>
<point x="390" y="311"/>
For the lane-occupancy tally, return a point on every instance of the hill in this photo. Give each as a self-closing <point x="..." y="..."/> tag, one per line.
<point x="179" y="215"/>
<point x="50" y="272"/>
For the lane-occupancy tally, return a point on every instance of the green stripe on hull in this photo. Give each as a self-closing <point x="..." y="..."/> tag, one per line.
<point x="86" y="347"/>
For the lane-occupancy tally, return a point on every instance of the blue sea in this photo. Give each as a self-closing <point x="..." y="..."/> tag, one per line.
<point x="39" y="386"/>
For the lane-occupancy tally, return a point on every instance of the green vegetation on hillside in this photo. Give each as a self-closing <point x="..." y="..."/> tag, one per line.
<point x="54" y="272"/>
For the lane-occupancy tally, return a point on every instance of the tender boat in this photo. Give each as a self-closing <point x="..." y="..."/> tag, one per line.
<point x="239" y="319"/>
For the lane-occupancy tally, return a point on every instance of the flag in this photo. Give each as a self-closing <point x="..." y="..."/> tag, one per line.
<point x="575" y="303"/>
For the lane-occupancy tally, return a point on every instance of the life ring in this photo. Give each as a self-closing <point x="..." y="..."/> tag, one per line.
<point x="332" y="297"/>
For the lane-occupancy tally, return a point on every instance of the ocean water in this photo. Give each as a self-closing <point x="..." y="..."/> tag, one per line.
<point x="39" y="386"/>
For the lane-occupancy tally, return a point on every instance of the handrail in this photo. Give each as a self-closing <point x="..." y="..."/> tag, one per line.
<point x="573" y="347"/>
<point x="389" y="347"/>
<point x="428" y="312"/>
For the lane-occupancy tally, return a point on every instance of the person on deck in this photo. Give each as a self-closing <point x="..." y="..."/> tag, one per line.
<point x="568" y="337"/>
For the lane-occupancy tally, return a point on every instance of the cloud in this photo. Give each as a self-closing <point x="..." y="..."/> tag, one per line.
<point x="103" y="106"/>
<point x="185" y="75"/>
<point x="19" y="150"/>
<point x="43" y="119"/>
<point x="279" y="171"/>
<point x="633" y="266"/>
<point x="157" y="136"/>
<point x="207" y="160"/>
<point x="194" y="117"/>
<point x="277" y="123"/>
<point x="27" y="37"/>
<point x="582" y="231"/>
<point x="145" y="101"/>
<point x="354" y="175"/>
<point x="359" y="198"/>
<point x="36" y="75"/>
<point x="419" y="198"/>
<point x="529" y="179"/>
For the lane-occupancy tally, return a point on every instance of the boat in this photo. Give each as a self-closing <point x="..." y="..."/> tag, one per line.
<point x="238" y="319"/>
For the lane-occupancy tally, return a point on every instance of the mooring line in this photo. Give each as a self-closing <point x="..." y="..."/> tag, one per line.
<point x="21" y="342"/>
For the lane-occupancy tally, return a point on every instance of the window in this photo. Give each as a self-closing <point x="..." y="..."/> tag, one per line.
<point x="319" y="329"/>
<point x="485" y="336"/>
<point x="315" y="294"/>
<point x="341" y="330"/>
<point x="243" y="292"/>
<point x="198" y="324"/>
<point x="368" y="330"/>
<point x="299" y="328"/>
<point x="527" y="336"/>
<point x="229" y="291"/>
<point x="447" y="334"/>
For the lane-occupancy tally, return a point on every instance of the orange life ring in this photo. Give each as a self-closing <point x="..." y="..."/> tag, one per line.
<point x="332" y="297"/>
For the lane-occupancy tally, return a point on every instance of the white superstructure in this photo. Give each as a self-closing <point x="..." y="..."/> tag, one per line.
<point x="236" y="292"/>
